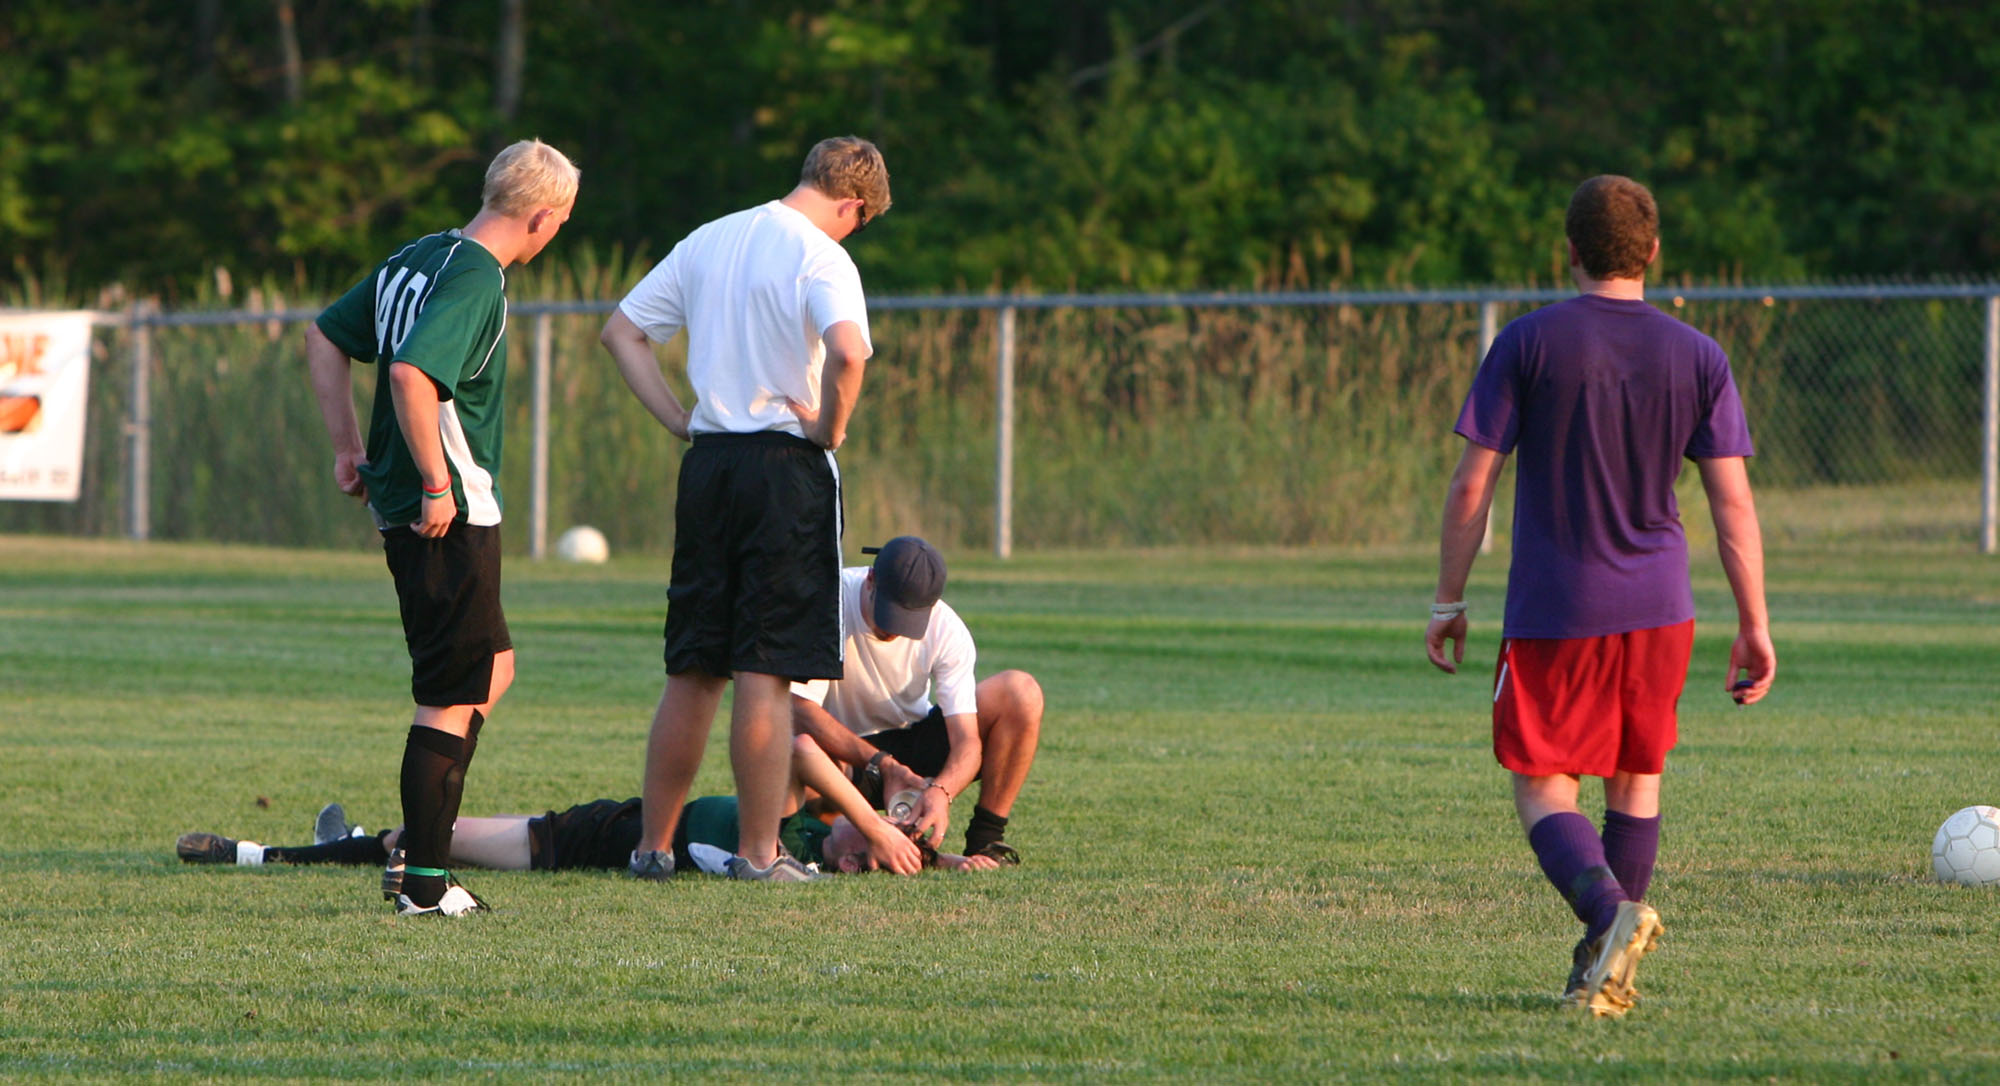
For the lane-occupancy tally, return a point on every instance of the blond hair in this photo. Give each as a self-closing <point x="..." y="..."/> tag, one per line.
<point x="529" y="175"/>
<point x="848" y="167"/>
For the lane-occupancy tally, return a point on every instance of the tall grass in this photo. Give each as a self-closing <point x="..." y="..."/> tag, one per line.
<point x="1855" y="392"/>
<point x="1133" y="426"/>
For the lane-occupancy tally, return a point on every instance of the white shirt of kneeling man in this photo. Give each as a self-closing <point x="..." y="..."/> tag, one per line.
<point x="892" y="684"/>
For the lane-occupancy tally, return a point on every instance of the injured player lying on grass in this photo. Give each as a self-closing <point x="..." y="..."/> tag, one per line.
<point x="600" y="835"/>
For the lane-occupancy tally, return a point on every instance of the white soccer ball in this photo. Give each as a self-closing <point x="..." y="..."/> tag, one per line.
<point x="583" y="544"/>
<point x="1966" y="849"/>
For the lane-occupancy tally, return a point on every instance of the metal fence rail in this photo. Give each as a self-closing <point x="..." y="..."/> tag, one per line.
<point x="1852" y="384"/>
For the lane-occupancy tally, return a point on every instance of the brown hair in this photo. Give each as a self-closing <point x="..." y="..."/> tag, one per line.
<point x="1613" y="223"/>
<point x="529" y="175"/>
<point x="848" y="167"/>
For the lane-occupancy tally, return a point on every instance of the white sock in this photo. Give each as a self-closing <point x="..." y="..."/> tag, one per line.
<point x="249" y="853"/>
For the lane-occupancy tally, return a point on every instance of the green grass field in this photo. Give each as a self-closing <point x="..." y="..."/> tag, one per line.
<point x="1264" y="841"/>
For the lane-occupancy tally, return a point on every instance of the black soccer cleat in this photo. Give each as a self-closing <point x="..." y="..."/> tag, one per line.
<point x="212" y="848"/>
<point x="457" y="901"/>
<point x="1001" y="852"/>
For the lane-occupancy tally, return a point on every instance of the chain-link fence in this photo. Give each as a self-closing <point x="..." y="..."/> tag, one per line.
<point x="1078" y="421"/>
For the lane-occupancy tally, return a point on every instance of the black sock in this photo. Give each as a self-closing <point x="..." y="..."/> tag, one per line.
<point x="433" y="780"/>
<point x="346" y="850"/>
<point x="984" y="829"/>
<point x="456" y="780"/>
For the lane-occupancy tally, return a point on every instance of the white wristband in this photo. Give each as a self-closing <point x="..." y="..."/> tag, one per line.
<point x="1447" y="610"/>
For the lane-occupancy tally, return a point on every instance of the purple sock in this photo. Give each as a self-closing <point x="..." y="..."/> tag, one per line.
<point x="1572" y="857"/>
<point x="1631" y="846"/>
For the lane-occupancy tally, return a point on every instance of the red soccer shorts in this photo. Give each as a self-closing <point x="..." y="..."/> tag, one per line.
<point x="1590" y="706"/>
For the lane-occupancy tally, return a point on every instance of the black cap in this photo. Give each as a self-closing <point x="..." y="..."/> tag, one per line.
<point x="909" y="578"/>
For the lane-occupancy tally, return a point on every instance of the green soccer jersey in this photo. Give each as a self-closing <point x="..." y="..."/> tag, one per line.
<point x="438" y="304"/>
<point x="711" y="820"/>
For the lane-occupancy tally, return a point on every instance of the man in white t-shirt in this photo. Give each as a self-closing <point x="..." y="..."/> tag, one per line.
<point x="907" y="714"/>
<point x="777" y="339"/>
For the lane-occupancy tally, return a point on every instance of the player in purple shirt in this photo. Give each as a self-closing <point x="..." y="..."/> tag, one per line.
<point x="1601" y="397"/>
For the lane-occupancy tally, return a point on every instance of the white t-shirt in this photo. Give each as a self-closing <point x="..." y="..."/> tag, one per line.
<point x="891" y="684"/>
<point x="756" y="291"/>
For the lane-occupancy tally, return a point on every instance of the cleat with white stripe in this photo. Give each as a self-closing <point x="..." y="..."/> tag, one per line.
<point x="457" y="901"/>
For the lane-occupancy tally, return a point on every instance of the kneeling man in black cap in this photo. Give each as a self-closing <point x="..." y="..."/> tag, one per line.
<point x="908" y="715"/>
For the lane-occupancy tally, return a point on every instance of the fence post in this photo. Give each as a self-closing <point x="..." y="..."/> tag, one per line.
<point x="1489" y="327"/>
<point x="139" y="428"/>
<point x="1989" y="505"/>
<point x="538" y="472"/>
<point x="1003" y="439"/>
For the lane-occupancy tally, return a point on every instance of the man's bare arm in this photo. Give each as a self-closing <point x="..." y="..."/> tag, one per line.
<point x="961" y="767"/>
<point x="839" y="385"/>
<point x="1740" y="541"/>
<point x="1467" y="504"/>
<point x="330" y="371"/>
<point x="416" y="398"/>
<point x="889" y="846"/>
<point x="840" y="744"/>
<point x="633" y="352"/>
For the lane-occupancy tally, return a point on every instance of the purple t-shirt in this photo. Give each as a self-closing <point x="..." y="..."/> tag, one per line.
<point x="1601" y="398"/>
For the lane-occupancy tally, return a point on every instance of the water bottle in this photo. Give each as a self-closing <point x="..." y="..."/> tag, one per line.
<point x="902" y="806"/>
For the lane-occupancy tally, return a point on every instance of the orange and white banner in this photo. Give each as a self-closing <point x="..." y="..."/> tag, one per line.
<point x="44" y="389"/>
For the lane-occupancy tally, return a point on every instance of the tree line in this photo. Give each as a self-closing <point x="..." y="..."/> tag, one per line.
<point x="1080" y="145"/>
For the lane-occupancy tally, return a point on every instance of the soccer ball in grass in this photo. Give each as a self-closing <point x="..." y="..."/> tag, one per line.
<point x="1966" y="849"/>
<point x="583" y="544"/>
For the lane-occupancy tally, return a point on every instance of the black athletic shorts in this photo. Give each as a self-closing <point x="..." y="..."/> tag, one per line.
<point x="756" y="581"/>
<point x="597" y="836"/>
<point x="449" y="592"/>
<point x="922" y="747"/>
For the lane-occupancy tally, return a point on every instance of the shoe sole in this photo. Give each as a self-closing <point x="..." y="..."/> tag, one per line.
<point x="651" y="872"/>
<point x="472" y="903"/>
<point x="1001" y="852"/>
<point x="331" y="825"/>
<point x="414" y="913"/>
<point x="1574" y="993"/>
<point x="742" y="871"/>
<point x="1608" y="985"/>
<point x="1577" y="997"/>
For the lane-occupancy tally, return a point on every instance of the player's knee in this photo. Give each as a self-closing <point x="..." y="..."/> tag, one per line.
<point x="1018" y="697"/>
<point x="1538" y="796"/>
